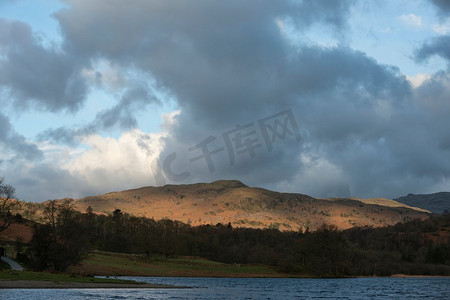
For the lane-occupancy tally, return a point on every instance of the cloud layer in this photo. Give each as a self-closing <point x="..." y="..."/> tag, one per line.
<point x="365" y="130"/>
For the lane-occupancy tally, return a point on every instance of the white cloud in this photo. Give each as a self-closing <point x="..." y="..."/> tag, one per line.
<point x="169" y="120"/>
<point x="121" y="163"/>
<point x="281" y="26"/>
<point x="411" y="20"/>
<point x="417" y="79"/>
<point x="58" y="153"/>
<point x="442" y="28"/>
<point x="100" y="165"/>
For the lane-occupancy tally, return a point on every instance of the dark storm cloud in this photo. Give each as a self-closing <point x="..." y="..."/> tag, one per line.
<point x="197" y="49"/>
<point x="338" y="97"/>
<point x="31" y="74"/>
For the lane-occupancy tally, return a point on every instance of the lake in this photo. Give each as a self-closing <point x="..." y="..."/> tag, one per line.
<point x="256" y="288"/>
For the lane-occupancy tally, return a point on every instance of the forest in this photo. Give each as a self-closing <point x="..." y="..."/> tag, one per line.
<point x="415" y="247"/>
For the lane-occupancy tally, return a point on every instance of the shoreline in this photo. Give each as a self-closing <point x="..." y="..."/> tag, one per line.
<point x="280" y="276"/>
<point x="35" y="284"/>
<point x="286" y="277"/>
<point x="39" y="284"/>
<point x="417" y="276"/>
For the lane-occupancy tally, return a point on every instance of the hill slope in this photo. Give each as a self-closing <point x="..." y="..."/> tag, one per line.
<point x="436" y="203"/>
<point x="242" y="206"/>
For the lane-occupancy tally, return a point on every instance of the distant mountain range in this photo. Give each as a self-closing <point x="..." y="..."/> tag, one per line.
<point x="436" y="203"/>
<point x="230" y="201"/>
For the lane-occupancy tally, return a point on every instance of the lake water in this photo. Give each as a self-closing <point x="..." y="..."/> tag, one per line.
<point x="256" y="288"/>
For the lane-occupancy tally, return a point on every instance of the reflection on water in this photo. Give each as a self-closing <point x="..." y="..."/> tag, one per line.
<point x="256" y="288"/>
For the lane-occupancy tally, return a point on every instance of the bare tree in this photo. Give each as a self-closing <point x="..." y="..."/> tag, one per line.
<point x="51" y="213"/>
<point x="7" y="203"/>
<point x="59" y="213"/>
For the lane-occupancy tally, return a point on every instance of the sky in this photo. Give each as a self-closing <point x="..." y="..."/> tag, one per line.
<point x="327" y="98"/>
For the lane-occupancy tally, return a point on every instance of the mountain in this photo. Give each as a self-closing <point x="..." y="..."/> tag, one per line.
<point x="242" y="206"/>
<point x="436" y="203"/>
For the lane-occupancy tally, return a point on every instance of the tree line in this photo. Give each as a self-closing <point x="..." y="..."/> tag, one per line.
<point x="415" y="247"/>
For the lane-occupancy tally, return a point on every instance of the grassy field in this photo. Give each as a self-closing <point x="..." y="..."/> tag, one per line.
<point x="7" y="274"/>
<point x="104" y="263"/>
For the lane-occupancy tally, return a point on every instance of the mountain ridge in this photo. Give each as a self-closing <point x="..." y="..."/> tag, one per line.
<point x="436" y="202"/>
<point x="231" y="201"/>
